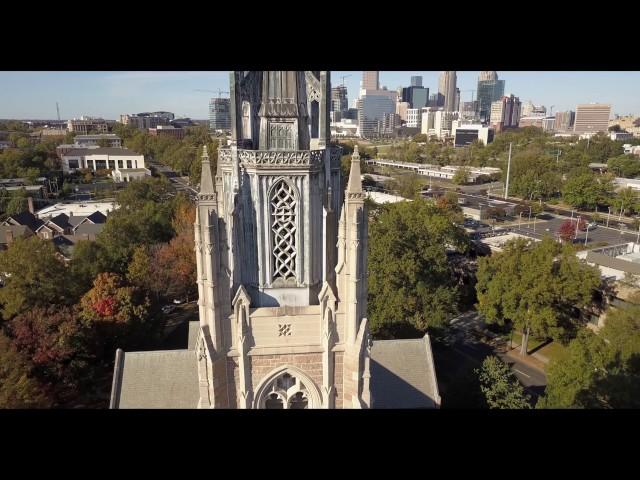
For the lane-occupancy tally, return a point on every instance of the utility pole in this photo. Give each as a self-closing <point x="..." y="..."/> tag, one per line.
<point x="506" y="187"/>
<point x="586" y="235"/>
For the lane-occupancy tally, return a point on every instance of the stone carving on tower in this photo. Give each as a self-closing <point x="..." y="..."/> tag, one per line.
<point x="281" y="255"/>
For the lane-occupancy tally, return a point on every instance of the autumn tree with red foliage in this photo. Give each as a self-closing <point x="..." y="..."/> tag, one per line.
<point x="567" y="230"/>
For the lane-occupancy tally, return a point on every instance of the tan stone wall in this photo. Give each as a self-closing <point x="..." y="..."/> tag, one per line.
<point x="233" y="376"/>
<point x="338" y="379"/>
<point x="309" y="363"/>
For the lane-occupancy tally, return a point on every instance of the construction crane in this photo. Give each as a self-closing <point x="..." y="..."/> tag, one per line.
<point x="343" y="77"/>
<point x="551" y="111"/>
<point x="219" y="92"/>
<point x="58" y="110"/>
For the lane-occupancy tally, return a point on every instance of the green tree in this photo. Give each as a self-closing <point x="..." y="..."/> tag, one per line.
<point x="407" y="186"/>
<point x="500" y="387"/>
<point x="34" y="275"/>
<point x="624" y="166"/>
<point x="626" y="200"/>
<point x="536" y="288"/>
<point x="18" y="387"/>
<point x="462" y="176"/>
<point x="411" y="284"/>
<point x="587" y="190"/>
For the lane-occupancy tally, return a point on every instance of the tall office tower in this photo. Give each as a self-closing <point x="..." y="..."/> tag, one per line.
<point x="220" y="114"/>
<point x="433" y="100"/>
<point x="488" y="75"/>
<point x="371" y="111"/>
<point x="370" y="80"/>
<point x="428" y="121"/>
<point x="489" y="90"/>
<point x="416" y="81"/>
<point x="414" y="117"/>
<point x="447" y="89"/>
<point x="339" y="101"/>
<point x="592" y="117"/>
<point x="505" y="113"/>
<point x="565" y="121"/>
<point x="401" y="110"/>
<point x="418" y="97"/>
<point x="457" y="102"/>
<point x="442" y="123"/>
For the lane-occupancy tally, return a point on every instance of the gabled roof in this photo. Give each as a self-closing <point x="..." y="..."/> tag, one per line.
<point x="159" y="379"/>
<point x="24" y="218"/>
<point x="88" y="228"/>
<point x="17" y="231"/>
<point x="403" y="374"/>
<point x="61" y="221"/>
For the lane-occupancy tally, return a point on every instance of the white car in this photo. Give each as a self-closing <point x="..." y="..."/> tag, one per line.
<point x="592" y="225"/>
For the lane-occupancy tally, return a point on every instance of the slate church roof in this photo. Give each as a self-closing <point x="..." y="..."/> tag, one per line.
<point x="403" y="374"/>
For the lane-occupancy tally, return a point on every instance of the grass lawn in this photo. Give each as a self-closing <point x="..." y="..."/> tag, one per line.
<point x="551" y="351"/>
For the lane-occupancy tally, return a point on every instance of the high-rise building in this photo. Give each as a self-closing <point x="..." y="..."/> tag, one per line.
<point x="146" y="120"/>
<point x="281" y="261"/>
<point x="339" y="101"/>
<point x="370" y="80"/>
<point x="442" y="123"/>
<point x="490" y="89"/>
<point x="414" y="117"/>
<point x="401" y="110"/>
<point x="488" y="75"/>
<point x="447" y="90"/>
<point x="565" y="121"/>
<point x="220" y="114"/>
<point x="434" y="100"/>
<point x="371" y="110"/>
<point x="456" y="107"/>
<point x="416" y="81"/>
<point x="529" y="109"/>
<point x="505" y="113"/>
<point x="592" y="118"/>
<point x="418" y="97"/>
<point x="428" y="121"/>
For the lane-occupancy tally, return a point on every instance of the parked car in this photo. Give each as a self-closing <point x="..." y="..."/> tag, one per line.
<point x="592" y="225"/>
<point x="177" y="302"/>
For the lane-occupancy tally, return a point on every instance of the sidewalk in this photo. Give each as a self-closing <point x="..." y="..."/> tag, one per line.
<point x="534" y="360"/>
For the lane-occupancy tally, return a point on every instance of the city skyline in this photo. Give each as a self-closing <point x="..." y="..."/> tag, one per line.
<point x="33" y="95"/>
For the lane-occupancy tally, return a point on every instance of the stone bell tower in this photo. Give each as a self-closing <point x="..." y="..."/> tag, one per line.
<point x="281" y="255"/>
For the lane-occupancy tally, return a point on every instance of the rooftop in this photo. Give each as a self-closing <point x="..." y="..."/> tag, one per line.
<point x="114" y="151"/>
<point x="403" y="374"/>
<point x="76" y="209"/>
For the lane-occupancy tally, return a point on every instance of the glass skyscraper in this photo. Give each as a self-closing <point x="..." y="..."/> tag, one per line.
<point x="489" y="91"/>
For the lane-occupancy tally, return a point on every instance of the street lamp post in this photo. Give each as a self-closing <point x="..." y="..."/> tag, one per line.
<point x="586" y="235"/>
<point x="638" y="236"/>
<point x="577" y="224"/>
<point x="519" y="220"/>
<point x="529" y="213"/>
<point x="572" y="215"/>
<point x="608" y="217"/>
<point x="534" y="223"/>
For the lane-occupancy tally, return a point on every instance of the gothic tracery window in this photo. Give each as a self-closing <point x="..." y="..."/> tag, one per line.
<point x="283" y="230"/>
<point x="286" y="392"/>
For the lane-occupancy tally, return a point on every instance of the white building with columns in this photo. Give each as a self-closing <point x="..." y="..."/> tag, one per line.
<point x="281" y="257"/>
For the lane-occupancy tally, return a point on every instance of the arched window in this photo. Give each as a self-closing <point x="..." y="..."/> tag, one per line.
<point x="286" y="392"/>
<point x="283" y="230"/>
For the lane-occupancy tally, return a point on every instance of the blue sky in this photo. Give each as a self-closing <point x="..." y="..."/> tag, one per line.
<point x="109" y="94"/>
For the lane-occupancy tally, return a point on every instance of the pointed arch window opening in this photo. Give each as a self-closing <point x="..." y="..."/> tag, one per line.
<point x="283" y="231"/>
<point x="286" y="392"/>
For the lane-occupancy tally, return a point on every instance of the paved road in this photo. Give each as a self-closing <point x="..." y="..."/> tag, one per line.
<point x="178" y="182"/>
<point x="551" y="226"/>
<point x="469" y="337"/>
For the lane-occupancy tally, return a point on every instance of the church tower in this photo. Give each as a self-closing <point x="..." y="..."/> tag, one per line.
<point x="281" y="255"/>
